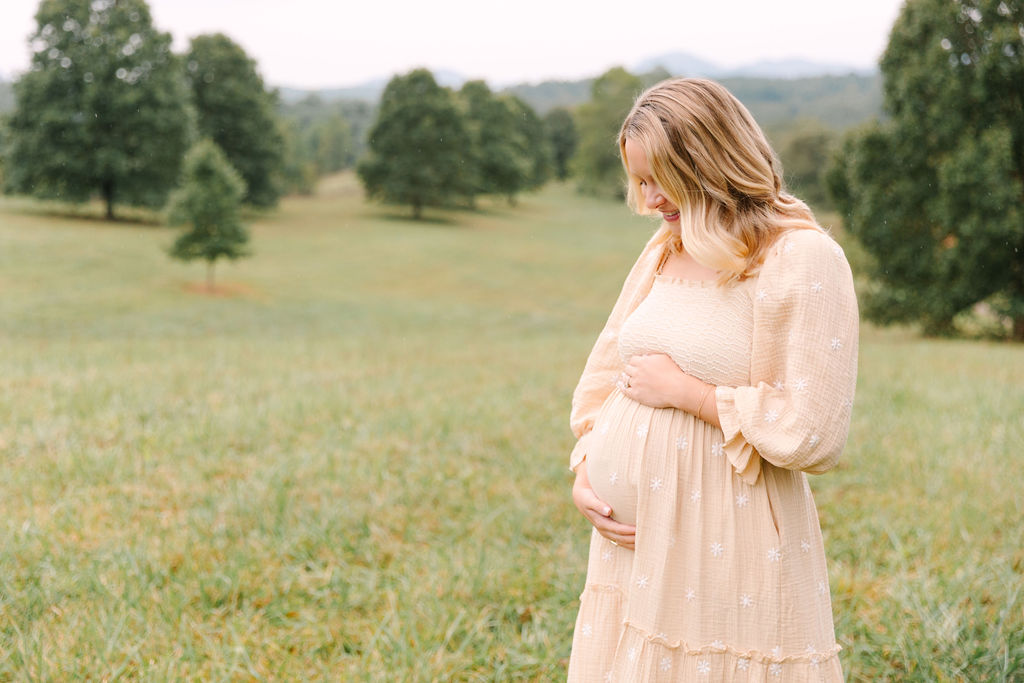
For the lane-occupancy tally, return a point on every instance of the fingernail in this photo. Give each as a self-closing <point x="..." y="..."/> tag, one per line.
<point x="607" y="511"/>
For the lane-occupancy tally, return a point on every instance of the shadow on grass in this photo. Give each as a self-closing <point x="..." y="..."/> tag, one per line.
<point x="428" y="220"/>
<point x="93" y="212"/>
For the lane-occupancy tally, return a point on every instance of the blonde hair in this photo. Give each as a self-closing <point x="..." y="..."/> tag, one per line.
<point x="712" y="161"/>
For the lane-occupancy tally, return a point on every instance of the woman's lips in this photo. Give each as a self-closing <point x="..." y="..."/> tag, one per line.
<point x="671" y="217"/>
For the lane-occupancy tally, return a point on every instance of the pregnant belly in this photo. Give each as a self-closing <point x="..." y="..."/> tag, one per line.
<point x="614" y="456"/>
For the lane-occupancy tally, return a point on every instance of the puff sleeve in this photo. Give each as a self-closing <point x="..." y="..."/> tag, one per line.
<point x="603" y="364"/>
<point x="803" y="362"/>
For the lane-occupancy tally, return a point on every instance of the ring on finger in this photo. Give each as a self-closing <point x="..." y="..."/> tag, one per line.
<point x="615" y="543"/>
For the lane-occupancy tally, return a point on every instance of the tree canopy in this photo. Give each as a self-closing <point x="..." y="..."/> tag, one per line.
<point x="418" y="146"/>
<point x="935" y="191"/>
<point x="236" y="111"/>
<point x="560" y="129"/>
<point x="508" y="149"/>
<point x="103" y="108"/>
<point x="597" y="164"/>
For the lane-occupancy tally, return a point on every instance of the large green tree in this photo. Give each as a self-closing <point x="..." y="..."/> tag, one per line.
<point x="935" y="191"/>
<point x="209" y="202"/>
<point x="597" y="164"/>
<point x="103" y="109"/>
<point x="537" y="147"/>
<point x="418" y="146"/>
<point x="501" y="161"/>
<point x="236" y="111"/>
<point x="560" y="130"/>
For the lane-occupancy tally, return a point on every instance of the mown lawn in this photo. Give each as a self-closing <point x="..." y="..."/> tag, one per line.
<point x="350" y="463"/>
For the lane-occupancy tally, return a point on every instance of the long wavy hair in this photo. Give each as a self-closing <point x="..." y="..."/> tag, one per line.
<point x="714" y="163"/>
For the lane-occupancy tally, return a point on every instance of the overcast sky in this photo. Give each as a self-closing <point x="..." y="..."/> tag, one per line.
<point x="324" y="43"/>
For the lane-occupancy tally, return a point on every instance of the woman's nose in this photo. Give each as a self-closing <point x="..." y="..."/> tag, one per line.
<point x="653" y="197"/>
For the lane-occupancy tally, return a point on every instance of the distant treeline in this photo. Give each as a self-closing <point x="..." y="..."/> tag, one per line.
<point x="804" y="117"/>
<point x="297" y="139"/>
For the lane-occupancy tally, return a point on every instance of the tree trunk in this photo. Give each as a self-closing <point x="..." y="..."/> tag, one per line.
<point x="108" y="198"/>
<point x="417" y="210"/>
<point x="1018" y="329"/>
<point x="209" y="275"/>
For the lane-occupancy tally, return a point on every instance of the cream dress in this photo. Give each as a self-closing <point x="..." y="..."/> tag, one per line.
<point x="728" y="580"/>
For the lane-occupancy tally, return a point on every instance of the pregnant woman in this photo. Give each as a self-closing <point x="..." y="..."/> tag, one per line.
<point x="725" y="372"/>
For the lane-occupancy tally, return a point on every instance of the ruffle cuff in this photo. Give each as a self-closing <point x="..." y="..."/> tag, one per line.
<point x="738" y="450"/>
<point x="579" y="452"/>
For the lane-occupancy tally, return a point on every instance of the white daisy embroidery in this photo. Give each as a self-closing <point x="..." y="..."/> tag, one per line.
<point x="613" y="478"/>
<point x="631" y="655"/>
<point x="762" y="294"/>
<point x="787" y="247"/>
<point x="774" y="554"/>
<point x="665" y="664"/>
<point x="836" y="343"/>
<point x="777" y="651"/>
<point x="805" y="546"/>
<point x="822" y="588"/>
<point x="641" y="431"/>
<point x="695" y="495"/>
<point x="587" y="630"/>
<point x="746" y="600"/>
<point x="816" y="287"/>
<point x="718" y="449"/>
<point x="682" y="443"/>
<point x="848" y="403"/>
<point x="813" y="441"/>
<point x="837" y="250"/>
<point x="703" y="667"/>
<point x="606" y="554"/>
<point x="655" y="483"/>
<point x="779" y="385"/>
<point x="642" y="581"/>
<point x="771" y="416"/>
<point x="717" y="645"/>
<point x="775" y="669"/>
<point x="604" y="428"/>
<point x="717" y="549"/>
<point x="742" y="664"/>
<point x="661" y="635"/>
<point x="690" y="594"/>
<point x="809" y="650"/>
<point x="800" y="385"/>
<point x="742" y="499"/>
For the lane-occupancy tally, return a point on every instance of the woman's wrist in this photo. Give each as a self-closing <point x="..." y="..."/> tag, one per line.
<point x="707" y="389"/>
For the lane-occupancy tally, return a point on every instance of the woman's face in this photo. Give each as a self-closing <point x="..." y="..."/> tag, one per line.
<point x="653" y="196"/>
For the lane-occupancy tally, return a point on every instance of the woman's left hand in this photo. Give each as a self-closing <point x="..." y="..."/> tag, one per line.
<point x="655" y="380"/>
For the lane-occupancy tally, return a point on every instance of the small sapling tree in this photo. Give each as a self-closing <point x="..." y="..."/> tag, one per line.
<point x="209" y="202"/>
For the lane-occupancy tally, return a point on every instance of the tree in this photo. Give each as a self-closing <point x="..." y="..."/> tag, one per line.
<point x="597" y="163"/>
<point x="332" y="142"/>
<point x="499" y="151"/>
<point x="537" y="149"/>
<point x="237" y="112"/>
<point x="103" y="108"/>
<point x="806" y="147"/>
<point x="560" y="130"/>
<point x="934" y="192"/>
<point x="418" y="146"/>
<point x="209" y="200"/>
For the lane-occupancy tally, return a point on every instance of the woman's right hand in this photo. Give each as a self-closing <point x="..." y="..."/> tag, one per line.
<point x="599" y="513"/>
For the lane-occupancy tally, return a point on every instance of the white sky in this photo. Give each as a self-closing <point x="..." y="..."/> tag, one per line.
<point x="324" y="43"/>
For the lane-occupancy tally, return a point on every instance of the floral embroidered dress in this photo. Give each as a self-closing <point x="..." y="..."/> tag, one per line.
<point x="728" y="580"/>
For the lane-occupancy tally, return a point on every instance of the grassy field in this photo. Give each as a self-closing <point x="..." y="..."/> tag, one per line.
<point x="351" y="462"/>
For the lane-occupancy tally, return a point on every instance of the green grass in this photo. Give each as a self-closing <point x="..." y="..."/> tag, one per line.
<point x="350" y="464"/>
